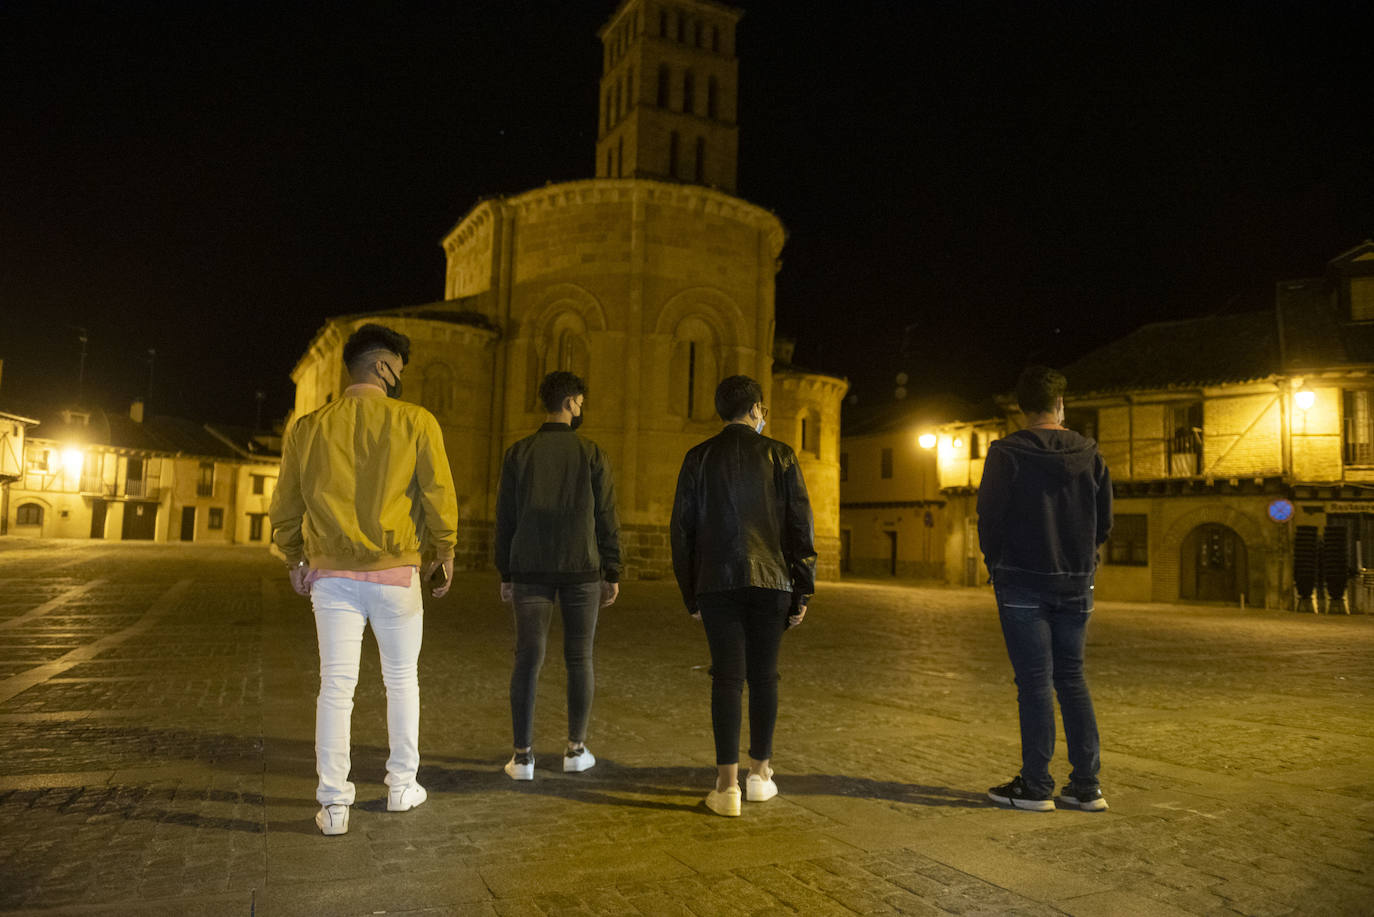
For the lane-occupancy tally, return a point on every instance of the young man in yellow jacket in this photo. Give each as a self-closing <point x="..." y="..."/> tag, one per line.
<point x="365" y="489"/>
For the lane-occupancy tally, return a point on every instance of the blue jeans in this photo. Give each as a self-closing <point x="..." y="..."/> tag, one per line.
<point x="533" y="608"/>
<point x="1045" y="632"/>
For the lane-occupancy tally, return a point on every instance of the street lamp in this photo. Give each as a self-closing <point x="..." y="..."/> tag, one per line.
<point x="72" y="459"/>
<point x="1305" y="399"/>
<point x="926" y="440"/>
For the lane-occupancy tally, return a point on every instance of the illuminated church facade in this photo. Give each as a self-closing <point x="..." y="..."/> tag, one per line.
<point x="652" y="281"/>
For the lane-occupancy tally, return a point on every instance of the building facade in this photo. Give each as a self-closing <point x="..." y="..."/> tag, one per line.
<point x="88" y="473"/>
<point x="894" y="514"/>
<point x="1241" y="448"/>
<point x="652" y="281"/>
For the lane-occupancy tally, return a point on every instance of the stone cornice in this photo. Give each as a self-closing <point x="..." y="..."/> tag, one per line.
<point x="707" y="201"/>
<point x="811" y="383"/>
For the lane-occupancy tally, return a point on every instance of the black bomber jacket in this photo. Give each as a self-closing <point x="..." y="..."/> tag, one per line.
<point x="742" y="518"/>
<point x="555" y="511"/>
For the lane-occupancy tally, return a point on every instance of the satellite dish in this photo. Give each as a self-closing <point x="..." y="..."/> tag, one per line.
<point x="902" y="378"/>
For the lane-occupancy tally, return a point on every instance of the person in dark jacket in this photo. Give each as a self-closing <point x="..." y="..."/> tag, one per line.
<point x="745" y="560"/>
<point x="557" y="538"/>
<point x="1044" y="510"/>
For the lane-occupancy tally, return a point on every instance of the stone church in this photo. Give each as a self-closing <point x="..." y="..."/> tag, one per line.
<point x="652" y="281"/>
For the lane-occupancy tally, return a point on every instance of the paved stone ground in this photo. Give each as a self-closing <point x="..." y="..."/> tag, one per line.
<point x="156" y="717"/>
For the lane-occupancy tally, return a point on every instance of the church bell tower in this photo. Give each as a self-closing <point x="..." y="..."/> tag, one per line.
<point x="669" y="88"/>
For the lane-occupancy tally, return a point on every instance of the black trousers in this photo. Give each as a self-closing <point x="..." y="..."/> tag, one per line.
<point x="744" y="628"/>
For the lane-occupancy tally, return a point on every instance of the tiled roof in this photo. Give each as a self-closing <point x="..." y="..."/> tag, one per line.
<point x="929" y="411"/>
<point x="1200" y="351"/>
<point x="1314" y="335"/>
<point x="163" y="435"/>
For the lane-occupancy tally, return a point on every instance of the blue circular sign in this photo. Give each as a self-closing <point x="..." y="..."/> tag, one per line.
<point x="1281" y="510"/>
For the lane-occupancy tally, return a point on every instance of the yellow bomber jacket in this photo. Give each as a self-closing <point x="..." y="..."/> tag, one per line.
<point x="365" y="485"/>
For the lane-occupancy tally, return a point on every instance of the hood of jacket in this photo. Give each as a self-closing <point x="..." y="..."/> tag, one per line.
<point x="1057" y="454"/>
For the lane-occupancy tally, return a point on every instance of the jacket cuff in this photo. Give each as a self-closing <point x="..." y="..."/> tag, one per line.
<point x="611" y="576"/>
<point x="799" y="599"/>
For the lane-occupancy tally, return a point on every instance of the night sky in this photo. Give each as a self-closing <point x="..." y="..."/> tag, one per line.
<point x="966" y="185"/>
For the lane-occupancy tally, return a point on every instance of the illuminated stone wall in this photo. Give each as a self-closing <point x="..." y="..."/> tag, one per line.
<point x="804" y="412"/>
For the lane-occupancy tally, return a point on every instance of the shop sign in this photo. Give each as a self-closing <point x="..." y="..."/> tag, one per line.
<point x="1351" y="506"/>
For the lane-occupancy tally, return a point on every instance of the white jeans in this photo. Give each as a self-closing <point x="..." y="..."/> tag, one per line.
<point x="342" y="608"/>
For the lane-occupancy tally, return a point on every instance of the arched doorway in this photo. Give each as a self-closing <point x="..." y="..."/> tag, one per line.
<point x="1213" y="565"/>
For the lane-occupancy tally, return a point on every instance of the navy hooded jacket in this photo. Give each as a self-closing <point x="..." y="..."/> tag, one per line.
<point x="1044" y="508"/>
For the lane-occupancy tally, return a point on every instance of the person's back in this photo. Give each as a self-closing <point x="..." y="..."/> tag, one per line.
<point x="363" y="456"/>
<point x="1041" y="507"/>
<point x="745" y="562"/>
<point x="741" y="487"/>
<point x="1044" y="509"/>
<point x="559" y="511"/>
<point x="557" y="540"/>
<point x="365" y="490"/>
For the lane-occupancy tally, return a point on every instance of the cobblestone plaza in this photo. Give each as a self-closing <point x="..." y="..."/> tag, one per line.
<point x="156" y="758"/>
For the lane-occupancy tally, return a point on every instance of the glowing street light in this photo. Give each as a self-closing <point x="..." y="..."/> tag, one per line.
<point x="72" y="459"/>
<point x="926" y="440"/>
<point x="1305" y="399"/>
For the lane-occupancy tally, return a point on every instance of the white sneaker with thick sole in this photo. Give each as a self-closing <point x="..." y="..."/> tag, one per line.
<point x="332" y="820"/>
<point x="577" y="763"/>
<point x="405" y="798"/>
<point x="760" y="789"/>
<point x="726" y="803"/>
<point x="520" y="766"/>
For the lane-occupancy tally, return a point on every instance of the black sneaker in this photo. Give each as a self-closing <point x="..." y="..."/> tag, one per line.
<point x="1079" y="796"/>
<point x="1018" y="796"/>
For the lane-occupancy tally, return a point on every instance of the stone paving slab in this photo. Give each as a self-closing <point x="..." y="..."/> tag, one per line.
<point x="156" y="758"/>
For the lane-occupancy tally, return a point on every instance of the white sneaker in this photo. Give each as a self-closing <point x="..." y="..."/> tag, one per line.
<point x="760" y="789"/>
<point x="332" y="820"/>
<point x="520" y="766"/>
<point x="405" y="798"/>
<point x="726" y="803"/>
<point x="579" y="762"/>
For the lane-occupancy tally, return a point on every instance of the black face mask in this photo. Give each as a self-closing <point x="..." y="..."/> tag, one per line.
<point x="577" y="420"/>
<point x="393" y="388"/>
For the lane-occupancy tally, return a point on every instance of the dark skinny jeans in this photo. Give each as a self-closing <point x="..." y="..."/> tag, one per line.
<point x="744" y="628"/>
<point x="533" y="609"/>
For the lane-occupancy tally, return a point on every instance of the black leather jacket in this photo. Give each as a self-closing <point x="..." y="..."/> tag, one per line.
<point x="742" y="518"/>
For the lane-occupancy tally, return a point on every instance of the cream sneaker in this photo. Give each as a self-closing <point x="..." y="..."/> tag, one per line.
<point x="520" y="766"/>
<point x="332" y="820"/>
<point x="759" y="788"/>
<point x="579" y="762"/>
<point x="404" y="798"/>
<point x="726" y="803"/>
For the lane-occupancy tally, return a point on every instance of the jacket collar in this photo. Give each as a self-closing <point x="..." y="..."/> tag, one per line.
<point x="365" y="390"/>
<point x="555" y="427"/>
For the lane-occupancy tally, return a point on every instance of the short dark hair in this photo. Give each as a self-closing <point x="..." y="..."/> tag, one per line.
<point x="736" y="395"/>
<point x="1039" y="388"/>
<point x="559" y="385"/>
<point x="375" y="337"/>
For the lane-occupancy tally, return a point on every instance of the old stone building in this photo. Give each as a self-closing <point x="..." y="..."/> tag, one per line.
<point x="893" y="519"/>
<point x="91" y="473"/>
<point x="652" y="281"/>
<point x="1228" y="437"/>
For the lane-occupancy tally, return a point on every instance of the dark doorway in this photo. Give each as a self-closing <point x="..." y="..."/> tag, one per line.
<point x="844" y="550"/>
<point x="140" y="521"/>
<point x="188" y="523"/>
<point x="98" y="509"/>
<point x="1213" y="565"/>
<point x="891" y="552"/>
